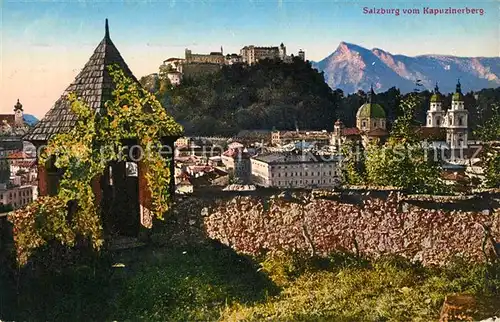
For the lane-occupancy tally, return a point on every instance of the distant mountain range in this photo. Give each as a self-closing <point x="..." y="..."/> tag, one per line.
<point x="351" y="67"/>
<point x="30" y="119"/>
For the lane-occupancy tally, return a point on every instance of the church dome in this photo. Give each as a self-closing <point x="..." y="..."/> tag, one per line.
<point x="371" y="110"/>
<point x="436" y="97"/>
<point x="458" y="97"/>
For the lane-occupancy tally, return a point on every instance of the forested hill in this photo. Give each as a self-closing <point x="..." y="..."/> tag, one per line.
<point x="277" y="95"/>
<point x="263" y="96"/>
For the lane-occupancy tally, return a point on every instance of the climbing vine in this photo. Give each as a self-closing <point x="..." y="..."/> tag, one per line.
<point x="84" y="153"/>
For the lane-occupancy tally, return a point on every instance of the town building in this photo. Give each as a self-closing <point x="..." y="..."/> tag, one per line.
<point x="17" y="196"/>
<point x="23" y="170"/>
<point x="237" y="162"/>
<point x="182" y="141"/>
<point x="172" y="69"/>
<point x="296" y="170"/>
<point x="318" y="138"/>
<point x="172" y="64"/>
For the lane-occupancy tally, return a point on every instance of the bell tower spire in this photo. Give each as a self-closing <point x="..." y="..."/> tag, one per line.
<point x="106" y="29"/>
<point x="371" y="96"/>
<point x="459" y="87"/>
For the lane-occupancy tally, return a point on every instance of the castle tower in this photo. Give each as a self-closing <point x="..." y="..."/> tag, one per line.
<point x="187" y="55"/>
<point x="435" y="114"/>
<point x="456" y="121"/>
<point x="282" y="51"/>
<point x="18" y="114"/>
<point x="221" y="51"/>
<point x="302" y="55"/>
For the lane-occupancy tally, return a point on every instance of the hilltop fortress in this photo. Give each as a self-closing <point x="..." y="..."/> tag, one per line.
<point x="194" y="63"/>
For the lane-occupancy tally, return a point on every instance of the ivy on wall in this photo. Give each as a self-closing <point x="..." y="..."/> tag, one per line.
<point x="84" y="153"/>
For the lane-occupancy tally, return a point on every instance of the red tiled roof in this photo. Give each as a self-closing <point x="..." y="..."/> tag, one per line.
<point x="183" y="175"/>
<point x="453" y="176"/>
<point x="18" y="155"/>
<point x="350" y="131"/>
<point x="377" y="132"/>
<point x="25" y="163"/>
<point x="232" y="153"/>
<point x="185" y="182"/>
<point x="200" y="168"/>
<point x="433" y="133"/>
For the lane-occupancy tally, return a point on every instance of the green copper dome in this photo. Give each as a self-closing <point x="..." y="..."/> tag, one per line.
<point x="458" y="97"/>
<point x="436" y="98"/>
<point x="371" y="110"/>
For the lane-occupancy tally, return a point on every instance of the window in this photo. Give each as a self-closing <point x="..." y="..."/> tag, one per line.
<point x="439" y="121"/>
<point x="374" y="124"/>
<point x="460" y="121"/>
<point x="364" y="124"/>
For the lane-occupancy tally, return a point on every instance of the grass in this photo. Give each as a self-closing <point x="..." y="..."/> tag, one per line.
<point x="356" y="290"/>
<point x="210" y="282"/>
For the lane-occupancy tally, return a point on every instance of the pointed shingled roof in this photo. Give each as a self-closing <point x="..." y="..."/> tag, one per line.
<point x="93" y="84"/>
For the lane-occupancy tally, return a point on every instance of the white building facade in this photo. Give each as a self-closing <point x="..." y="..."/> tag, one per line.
<point x="296" y="171"/>
<point x="18" y="197"/>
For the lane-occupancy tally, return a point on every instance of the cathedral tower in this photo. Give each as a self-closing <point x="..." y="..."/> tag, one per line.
<point x="435" y="114"/>
<point x="456" y="121"/>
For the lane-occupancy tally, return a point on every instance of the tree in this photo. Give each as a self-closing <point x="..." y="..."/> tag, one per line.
<point x="261" y="96"/>
<point x="353" y="163"/>
<point x="84" y="153"/>
<point x="403" y="161"/>
<point x="489" y="133"/>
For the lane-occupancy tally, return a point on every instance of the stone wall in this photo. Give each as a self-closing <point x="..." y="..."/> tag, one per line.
<point x="373" y="226"/>
<point x="194" y="70"/>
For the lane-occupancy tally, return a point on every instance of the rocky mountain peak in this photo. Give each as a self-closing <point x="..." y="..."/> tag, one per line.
<point x="352" y="67"/>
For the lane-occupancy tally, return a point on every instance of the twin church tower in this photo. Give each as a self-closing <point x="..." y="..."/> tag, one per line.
<point x="454" y="119"/>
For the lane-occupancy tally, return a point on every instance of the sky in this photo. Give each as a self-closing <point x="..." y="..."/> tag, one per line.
<point x="44" y="44"/>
